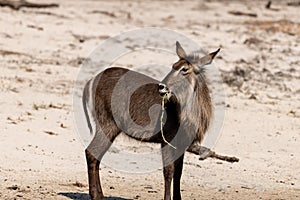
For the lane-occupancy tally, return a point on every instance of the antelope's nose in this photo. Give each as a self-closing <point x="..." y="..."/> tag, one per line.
<point x="161" y="86"/>
<point x="164" y="90"/>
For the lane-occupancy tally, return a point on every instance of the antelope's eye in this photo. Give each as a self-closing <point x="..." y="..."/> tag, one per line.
<point x="184" y="69"/>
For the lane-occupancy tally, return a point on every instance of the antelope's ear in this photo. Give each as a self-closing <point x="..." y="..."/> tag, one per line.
<point x="208" y="58"/>
<point x="180" y="51"/>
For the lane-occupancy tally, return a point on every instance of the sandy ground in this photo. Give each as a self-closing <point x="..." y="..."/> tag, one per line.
<point x="41" y="156"/>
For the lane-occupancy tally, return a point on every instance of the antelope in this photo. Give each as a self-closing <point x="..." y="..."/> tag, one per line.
<point x="120" y="100"/>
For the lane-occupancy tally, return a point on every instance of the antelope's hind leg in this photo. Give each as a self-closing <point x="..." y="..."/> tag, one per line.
<point x="95" y="190"/>
<point x="94" y="153"/>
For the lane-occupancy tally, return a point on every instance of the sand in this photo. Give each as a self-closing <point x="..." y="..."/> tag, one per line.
<point x="41" y="155"/>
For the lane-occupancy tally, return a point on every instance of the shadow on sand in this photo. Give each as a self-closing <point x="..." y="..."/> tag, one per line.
<point x="84" y="196"/>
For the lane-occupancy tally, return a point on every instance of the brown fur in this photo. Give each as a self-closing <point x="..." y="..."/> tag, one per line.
<point x="116" y="106"/>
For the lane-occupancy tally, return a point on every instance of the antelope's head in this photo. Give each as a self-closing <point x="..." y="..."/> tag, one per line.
<point x="187" y="74"/>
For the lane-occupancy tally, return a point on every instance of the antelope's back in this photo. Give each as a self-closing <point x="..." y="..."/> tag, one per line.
<point x="129" y="98"/>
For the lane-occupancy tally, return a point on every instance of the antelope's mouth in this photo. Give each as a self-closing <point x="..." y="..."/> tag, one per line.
<point x="164" y="91"/>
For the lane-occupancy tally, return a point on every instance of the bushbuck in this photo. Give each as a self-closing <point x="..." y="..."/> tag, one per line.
<point x="120" y="100"/>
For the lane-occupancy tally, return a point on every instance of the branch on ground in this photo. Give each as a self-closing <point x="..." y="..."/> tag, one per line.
<point x="268" y="6"/>
<point x="16" y="5"/>
<point x="205" y="153"/>
<point x="240" y="13"/>
<point x="297" y="3"/>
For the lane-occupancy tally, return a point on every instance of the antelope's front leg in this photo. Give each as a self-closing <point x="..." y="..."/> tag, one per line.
<point x="177" y="176"/>
<point x="168" y="170"/>
<point x="168" y="176"/>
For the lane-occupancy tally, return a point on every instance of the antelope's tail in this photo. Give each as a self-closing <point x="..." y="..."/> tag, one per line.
<point x="86" y="94"/>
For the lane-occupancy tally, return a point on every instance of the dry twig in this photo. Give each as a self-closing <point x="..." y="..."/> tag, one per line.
<point x="16" y="5"/>
<point x="239" y="13"/>
<point x="205" y="153"/>
<point x="297" y="3"/>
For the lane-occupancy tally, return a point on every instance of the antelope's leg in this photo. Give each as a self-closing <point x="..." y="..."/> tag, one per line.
<point x="168" y="175"/>
<point x="177" y="177"/>
<point x="95" y="190"/>
<point x="94" y="153"/>
<point x="168" y="170"/>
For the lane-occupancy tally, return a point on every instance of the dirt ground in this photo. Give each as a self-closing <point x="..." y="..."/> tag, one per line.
<point x="41" y="156"/>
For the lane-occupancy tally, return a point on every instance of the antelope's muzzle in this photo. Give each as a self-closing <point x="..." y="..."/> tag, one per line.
<point x="163" y="90"/>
